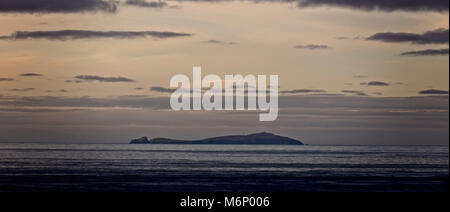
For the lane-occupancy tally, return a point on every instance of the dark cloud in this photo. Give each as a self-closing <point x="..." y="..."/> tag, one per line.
<point x="299" y="91"/>
<point x="65" y="35"/>
<point x="21" y="89"/>
<point x="427" y="52"/>
<point x="433" y="92"/>
<point x="30" y="75"/>
<point x="138" y="89"/>
<point x="144" y="3"/>
<point x="380" y="5"/>
<point x="162" y="90"/>
<point x="6" y="79"/>
<point x="358" y="93"/>
<point x="375" y="83"/>
<point x="365" y="5"/>
<point x="111" y="6"/>
<point x="312" y="47"/>
<point x="439" y="36"/>
<point x="103" y="79"/>
<point x="220" y="42"/>
<point x="58" y="6"/>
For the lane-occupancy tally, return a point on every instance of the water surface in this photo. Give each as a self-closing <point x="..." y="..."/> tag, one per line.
<point x="110" y="167"/>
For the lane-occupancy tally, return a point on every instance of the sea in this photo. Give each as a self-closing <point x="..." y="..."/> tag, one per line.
<point x="222" y="168"/>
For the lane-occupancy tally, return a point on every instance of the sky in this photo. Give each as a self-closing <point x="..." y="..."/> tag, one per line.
<point x="350" y="71"/>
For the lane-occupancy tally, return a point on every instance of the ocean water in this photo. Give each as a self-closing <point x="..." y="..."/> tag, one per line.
<point x="205" y="168"/>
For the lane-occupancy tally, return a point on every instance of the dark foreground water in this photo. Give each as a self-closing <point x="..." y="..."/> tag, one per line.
<point x="50" y="167"/>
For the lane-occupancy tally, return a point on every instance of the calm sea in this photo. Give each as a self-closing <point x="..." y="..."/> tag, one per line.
<point x="109" y="167"/>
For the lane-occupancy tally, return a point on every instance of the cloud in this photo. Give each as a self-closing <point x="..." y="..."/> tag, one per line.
<point x="358" y="93"/>
<point x="21" y="89"/>
<point x="73" y="81"/>
<point x="299" y="91"/>
<point x="64" y="35"/>
<point x="439" y="36"/>
<point x="312" y="47"/>
<point x="30" y="75"/>
<point x="433" y="92"/>
<point x="341" y="38"/>
<point x="377" y="93"/>
<point x="360" y="76"/>
<point x="375" y="83"/>
<point x="111" y="6"/>
<point x="365" y="5"/>
<point x="162" y="90"/>
<point x="58" y="6"/>
<point x="149" y="4"/>
<point x="220" y="42"/>
<point x="204" y="89"/>
<point x="380" y="5"/>
<point x="427" y="52"/>
<point x="6" y="79"/>
<point x="103" y="79"/>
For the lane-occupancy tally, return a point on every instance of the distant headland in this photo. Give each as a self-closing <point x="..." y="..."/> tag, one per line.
<point x="252" y="139"/>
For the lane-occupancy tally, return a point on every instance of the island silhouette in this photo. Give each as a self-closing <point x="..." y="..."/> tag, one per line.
<point x="251" y="139"/>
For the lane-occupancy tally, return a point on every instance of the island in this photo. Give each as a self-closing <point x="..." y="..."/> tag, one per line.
<point x="252" y="139"/>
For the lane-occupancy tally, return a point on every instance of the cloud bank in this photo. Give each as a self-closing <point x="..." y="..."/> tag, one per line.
<point x="438" y="36"/>
<point x="149" y="4"/>
<point x="433" y="92"/>
<point x="381" y="5"/>
<point x="103" y="79"/>
<point x="30" y="75"/>
<point x="375" y="83"/>
<point x="312" y="47"/>
<point x="58" y="6"/>
<point x="427" y="52"/>
<point x="300" y="91"/>
<point x="364" y="5"/>
<point x="111" y="6"/>
<point x="64" y="35"/>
